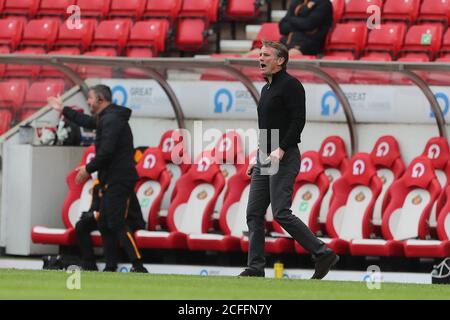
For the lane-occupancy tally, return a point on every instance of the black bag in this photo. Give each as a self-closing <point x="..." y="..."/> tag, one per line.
<point x="441" y="273"/>
<point x="59" y="262"/>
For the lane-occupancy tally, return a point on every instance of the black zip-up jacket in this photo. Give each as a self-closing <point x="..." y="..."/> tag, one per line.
<point x="114" y="155"/>
<point x="282" y="107"/>
<point x="309" y="28"/>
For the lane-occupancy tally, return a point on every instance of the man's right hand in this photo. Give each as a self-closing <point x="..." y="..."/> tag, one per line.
<point x="250" y="169"/>
<point x="55" y="103"/>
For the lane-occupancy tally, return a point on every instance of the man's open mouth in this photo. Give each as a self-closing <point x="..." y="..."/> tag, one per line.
<point x="262" y="65"/>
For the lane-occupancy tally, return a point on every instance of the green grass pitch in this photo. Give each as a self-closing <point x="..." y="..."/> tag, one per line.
<point x="17" y="284"/>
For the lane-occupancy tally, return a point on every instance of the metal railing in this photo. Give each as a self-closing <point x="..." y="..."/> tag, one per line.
<point x="155" y="68"/>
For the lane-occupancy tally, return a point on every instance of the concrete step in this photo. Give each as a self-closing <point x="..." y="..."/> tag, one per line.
<point x="277" y="15"/>
<point x="235" y="46"/>
<point x="251" y="31"/>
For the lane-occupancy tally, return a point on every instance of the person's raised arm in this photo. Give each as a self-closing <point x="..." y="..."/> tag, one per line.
<point x="78" y="118"/>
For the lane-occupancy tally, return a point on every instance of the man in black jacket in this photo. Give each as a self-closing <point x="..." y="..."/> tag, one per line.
<point x="305" y="26"/>
<point x="281" y="114"/>
<point x="115" y="165"/>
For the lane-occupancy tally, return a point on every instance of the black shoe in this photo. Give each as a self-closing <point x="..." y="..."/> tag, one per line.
<point x="138" y="269"/>
<point x="91" y="266"/>
<point x="110" y="269"/>
<point x="252" y="273"/>
<point x="324" y="263"/>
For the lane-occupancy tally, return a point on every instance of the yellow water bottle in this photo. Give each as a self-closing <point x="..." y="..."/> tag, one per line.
<point x="278" y="268"/>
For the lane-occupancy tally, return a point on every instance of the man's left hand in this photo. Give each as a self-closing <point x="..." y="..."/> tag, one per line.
<point x="276" y="155"/>
<point x="82" y="175"/>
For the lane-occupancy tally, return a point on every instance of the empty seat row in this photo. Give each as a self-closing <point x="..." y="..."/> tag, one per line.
<point x="118" y="34"/>
<point x="410" y="11"/>
<point x="379" y="201"/>
<point x="18" y="100"/>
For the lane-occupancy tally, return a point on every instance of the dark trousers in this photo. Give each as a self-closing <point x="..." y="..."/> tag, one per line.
<point x="276" y="189"/>
<point x="114" y="210"/>
<point x="83" y="228"/>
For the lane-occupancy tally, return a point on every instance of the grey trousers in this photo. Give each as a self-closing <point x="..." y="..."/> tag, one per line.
<point x="276" y="190"/>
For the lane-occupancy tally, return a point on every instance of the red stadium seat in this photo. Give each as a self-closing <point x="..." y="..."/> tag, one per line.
<point x="445" y="43"/>
<point x="55" y="7"/>
<point x="439" y="78"/>
<point x="426" y="38"/>
<point x="12" y="95"/>
<point x="303" y="76"/>
<point x="230" y="156"/>
<point x="373" y="77"/>
<point x="269" y="31"/>
<point x="154" y="179"/>
<point x="50" y="72"/>
<point x="5" y="120"/>
<point x="167" y="9"/>
<point x="341" y="75"/>
<point x="242" y="9"/>
<point x="348" y="37"/>
<point x="310" y="187"/>
<point x="437" y="151"/>
<point x="152" y="33"/>
<point x="437" y="248"/>
<point x="389" y="165"/>
<point x="11" y="31"/>
<point x="401" y="10"/>
<point x="397" y="78"/>
<point x="40" y="32"/>
<point x="218" y="74"/>
<point x="191" y="208"/>
<point x="82" y="37"/>
<point x="78" y="200"/>
<point x="112" y="33"/>
<point x="351" y="207"/>
<point x="25" y="71"/>
<point x="333" y="156"/>
<point x="389" y="38"/>
<point x="172" y="147"/>
<point x="232" y="216"/>
<point x="193" y="23"/>
<point x="89" y="71"/>
<point x="131" y="8"/>
<point x="407" y="204"/>
<point x="338" y="9"/>
<point x="357" y="9"/>
<point x="38" y="93"/>
<point x="98" y="9"/>
<point x="137" y="53"/>
<point x="21" y="7"/>
<point x="435" y="11"/>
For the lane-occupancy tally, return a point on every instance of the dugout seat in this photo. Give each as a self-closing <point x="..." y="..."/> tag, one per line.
<point x="269" y="31"/>
<point x="154" y="179"/>
<point x="233" y="215"/>
<point x="12" y="95"/>
<point x="348" y="37"/>
<point x="408" y="204"/>
<point x="424" y="38"/>
<point x="388" y="38"/>
<point x="338" y="9"/>
<point x="78" y="200"/>
<point x="112" y="34"/>
<point x="24" y="71"/>
<point x="388" y="162"/>
<point x="333" y="156"/>
<point x="151" y="33"/>
<point x="440" y="247"/>
<point x="242" y="9"/>
<point x="310" y="187"/>
<point x="351" y="207"/>
<point x="191" y="208"/>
